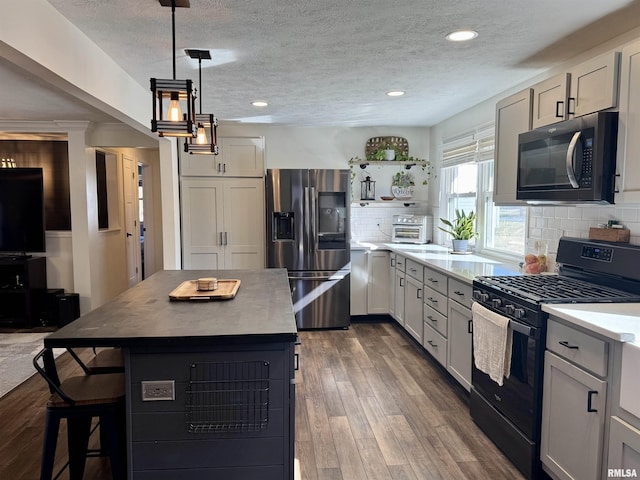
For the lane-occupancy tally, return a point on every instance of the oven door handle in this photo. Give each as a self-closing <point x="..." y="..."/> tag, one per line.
<point x="520" y="328"/>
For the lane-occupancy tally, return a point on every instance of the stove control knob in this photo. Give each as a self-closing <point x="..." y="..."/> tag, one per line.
<point x="496" y="302"/>
<point x="519" y="313"/>
<point x="478" y="295"/>
<point x="509" y="309"/>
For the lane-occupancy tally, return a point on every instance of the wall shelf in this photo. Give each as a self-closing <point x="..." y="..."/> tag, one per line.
<point x="389" y="203"/>
<point x="406" y="164"/>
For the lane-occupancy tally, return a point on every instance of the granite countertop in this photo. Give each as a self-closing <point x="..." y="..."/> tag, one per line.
<point x="143" y="315"/>
<point x="617" y="321"/>
<point x="463" y="267"/>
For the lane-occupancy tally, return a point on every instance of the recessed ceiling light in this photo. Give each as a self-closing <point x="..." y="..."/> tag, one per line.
<point x="461" y="35"/>
<point x="395" y="93"/>
<point x="259" y="103"/>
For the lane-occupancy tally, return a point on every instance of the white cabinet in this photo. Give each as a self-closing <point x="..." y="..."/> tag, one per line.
<point x="392" y="279"/>
<point x="460" y="333"/>
<point x="358" y="279"/>
<point x="369" y="282"/>
<point x="239" y="157"/>
<point x="223" y="223"/>
<point x="413" y="321"/>
<point x="513" y="117"/>
<point x="550" y="100"/>
<point x="628" y="159"/>
<point x="594" y="84"/>
<point x="377" y="282"/>
<point x="574" y="407"/>
<point x="399" y="287"/>
<point x="590" y="87"/>
<point x="624" y="448"/>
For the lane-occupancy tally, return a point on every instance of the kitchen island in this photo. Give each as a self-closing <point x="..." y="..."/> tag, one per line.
<point x="210" y="391"/>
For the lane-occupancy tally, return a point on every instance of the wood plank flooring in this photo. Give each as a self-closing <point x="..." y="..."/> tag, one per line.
<point x="370" y="405"/>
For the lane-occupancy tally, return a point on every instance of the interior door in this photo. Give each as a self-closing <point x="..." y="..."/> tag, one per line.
<point x="132" y="228"/>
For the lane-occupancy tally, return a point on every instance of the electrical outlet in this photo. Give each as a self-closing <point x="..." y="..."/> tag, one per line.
<point x="154" y="390"/>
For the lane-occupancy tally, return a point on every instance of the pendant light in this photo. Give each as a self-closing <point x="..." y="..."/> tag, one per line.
<point x="173" y="100"/>
<point x="206" y="138"/>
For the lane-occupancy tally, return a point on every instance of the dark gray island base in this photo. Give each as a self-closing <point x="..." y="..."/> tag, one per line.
<point x="210" y="384"/>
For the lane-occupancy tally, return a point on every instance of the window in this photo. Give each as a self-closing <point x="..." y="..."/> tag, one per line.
<point x="467" y="184"/>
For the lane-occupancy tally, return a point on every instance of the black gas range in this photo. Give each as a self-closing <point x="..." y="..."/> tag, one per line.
<point x="590" y="272"/>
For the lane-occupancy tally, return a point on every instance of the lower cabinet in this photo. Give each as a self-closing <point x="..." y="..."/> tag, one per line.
<point x="399" y="286"/>
<point x="624" y="449"/>
<point x="413" y="322"/>
<point x="377" y="282"/>
<point x="392" y="279"/>
<point x="460" y="338"/>
<point x="573" y="416"/>
<point x="358" y="279"/>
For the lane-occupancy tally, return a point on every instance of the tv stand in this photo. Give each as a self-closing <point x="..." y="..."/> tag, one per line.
<point x="23" y="284"/>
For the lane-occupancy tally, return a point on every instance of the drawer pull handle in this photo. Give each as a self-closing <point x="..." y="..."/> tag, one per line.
<point x="432" y="300"/>
<point x="434" y="345"/>
<point x="459" y="293"/>
<point x="400" y="282"/>
<point x="564" y="343"/>
<point x="590" y="409"/>
<point x="434" y="320"/>
<point x="470" y="326"/>
<point x="432" y="280"/>
<point x="418" y="292"/>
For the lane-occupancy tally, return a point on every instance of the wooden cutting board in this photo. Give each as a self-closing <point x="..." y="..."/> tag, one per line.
<point x="186" y="291"/>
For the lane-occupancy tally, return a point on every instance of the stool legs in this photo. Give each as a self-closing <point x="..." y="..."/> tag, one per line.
<point x="79" y="428"/>
<point x="52" y="426"/>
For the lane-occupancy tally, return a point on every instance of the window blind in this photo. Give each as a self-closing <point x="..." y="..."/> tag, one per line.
<point x="473" y="146"/>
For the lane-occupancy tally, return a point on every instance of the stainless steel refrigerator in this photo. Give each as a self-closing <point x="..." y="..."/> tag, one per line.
<point x="308" y="233"/>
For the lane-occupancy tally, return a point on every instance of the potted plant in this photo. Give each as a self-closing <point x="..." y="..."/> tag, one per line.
<point x="461" y="229"/>
<point x="402" y="185"/>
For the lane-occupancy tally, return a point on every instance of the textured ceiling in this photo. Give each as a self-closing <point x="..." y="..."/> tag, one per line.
<point x="330" y="62"/>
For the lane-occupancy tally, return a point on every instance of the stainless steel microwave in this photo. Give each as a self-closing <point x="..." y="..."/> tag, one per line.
<point x="572" y="161"/>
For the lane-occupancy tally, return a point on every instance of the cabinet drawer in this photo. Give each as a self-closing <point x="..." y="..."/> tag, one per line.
<point x="435" y="300"/>
<point x="400" y="261"/>
<point x="460" y="292"/>
<point x="435" y="280"/>
<point x="581" y="348"/>
<point x="414" y="269"/>
<point x="435" y="344"/>
<point x="435" y="319"/>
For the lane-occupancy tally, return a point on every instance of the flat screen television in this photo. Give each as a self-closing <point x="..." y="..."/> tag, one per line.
<point x="22" y="227"/>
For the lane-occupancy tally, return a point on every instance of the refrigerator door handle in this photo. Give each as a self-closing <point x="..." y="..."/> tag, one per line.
<point x="313" y="245"/>
<point x="305" y="199"/>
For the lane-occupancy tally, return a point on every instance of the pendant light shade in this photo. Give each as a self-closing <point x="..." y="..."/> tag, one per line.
<point x="173" y="100"/>
<point x="206" y="139"/>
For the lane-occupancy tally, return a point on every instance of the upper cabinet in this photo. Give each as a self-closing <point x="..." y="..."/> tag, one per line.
<point x="513" y="117"/>
<point x="628" y="157"/>
<point x="550" y="100"/>
<point x="239" y="157"/>
<point x="590" y="87"/>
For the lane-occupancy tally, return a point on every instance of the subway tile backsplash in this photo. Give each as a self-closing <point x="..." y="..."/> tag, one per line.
<point x="550" y="223"/>
<point x="365" y="220"/>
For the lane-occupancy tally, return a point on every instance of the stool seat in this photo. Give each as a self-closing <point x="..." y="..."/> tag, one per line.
<point x="110" y="360"/>
<point x="90" y="390"/>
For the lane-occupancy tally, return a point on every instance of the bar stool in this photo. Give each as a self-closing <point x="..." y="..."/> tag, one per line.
<point x="79" y="399"/>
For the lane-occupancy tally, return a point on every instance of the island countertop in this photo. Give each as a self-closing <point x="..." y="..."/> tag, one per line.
<point x="145" y="316"/>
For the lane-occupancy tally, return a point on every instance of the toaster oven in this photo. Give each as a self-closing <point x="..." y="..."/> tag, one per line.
<point x="411" y="229"/>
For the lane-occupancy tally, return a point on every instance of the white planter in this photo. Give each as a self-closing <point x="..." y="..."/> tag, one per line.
<point x="402" y="193"/>
<point x="390" y="154"/>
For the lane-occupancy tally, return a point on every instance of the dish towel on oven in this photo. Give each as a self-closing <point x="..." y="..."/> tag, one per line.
<point x="492" y="340"/>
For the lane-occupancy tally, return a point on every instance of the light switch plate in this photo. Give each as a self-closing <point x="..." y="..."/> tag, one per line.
<point x="155" y="390"/>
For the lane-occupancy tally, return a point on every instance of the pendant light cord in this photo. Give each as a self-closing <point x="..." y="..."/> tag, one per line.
<point x="173" y="34"/>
